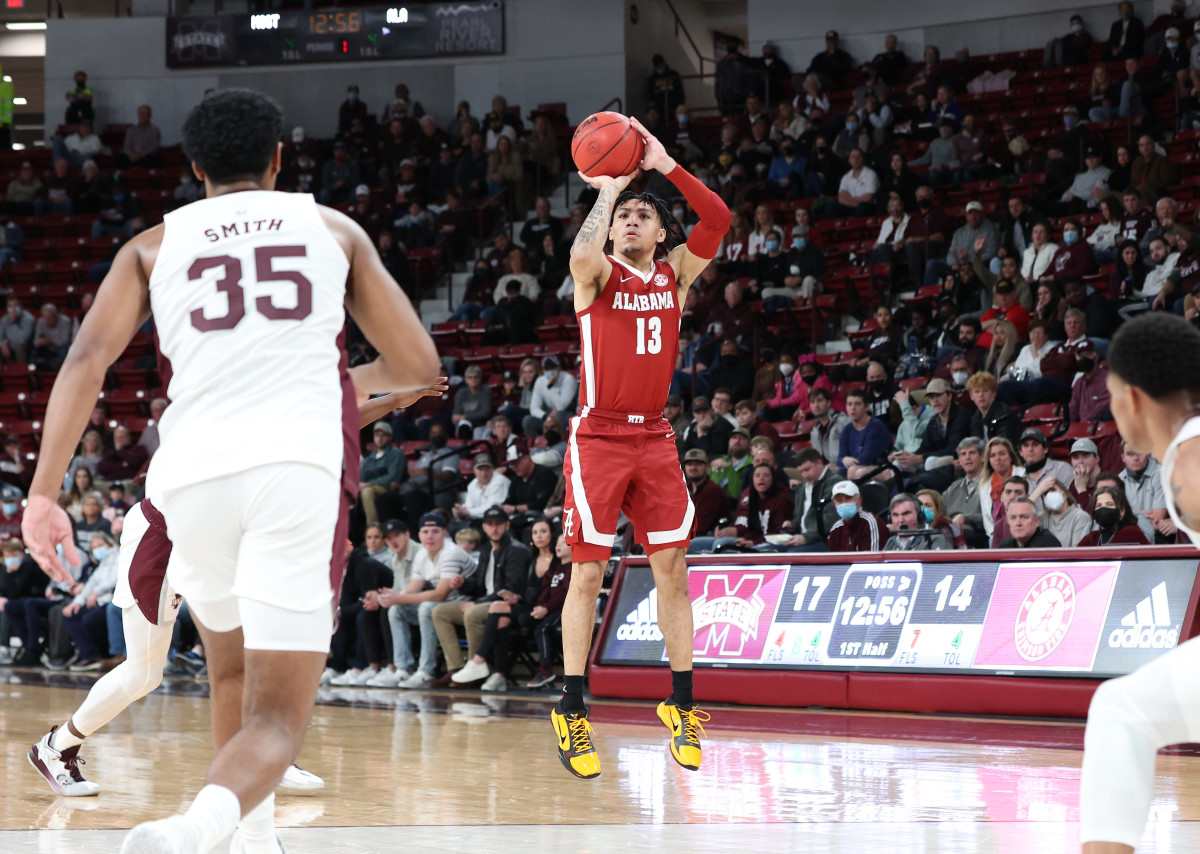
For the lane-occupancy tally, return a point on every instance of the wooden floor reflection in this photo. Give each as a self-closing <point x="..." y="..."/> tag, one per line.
<point x="438" y="772"/>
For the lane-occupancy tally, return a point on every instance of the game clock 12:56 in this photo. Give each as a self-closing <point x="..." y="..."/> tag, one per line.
<point x="872" y="610"/>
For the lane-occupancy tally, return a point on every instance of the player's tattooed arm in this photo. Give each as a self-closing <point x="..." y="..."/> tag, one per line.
<point x="593" y="234"/>
<point x="589" y="267"/>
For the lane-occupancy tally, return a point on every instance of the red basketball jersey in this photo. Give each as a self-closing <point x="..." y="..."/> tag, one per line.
<point x="630" y="340"/>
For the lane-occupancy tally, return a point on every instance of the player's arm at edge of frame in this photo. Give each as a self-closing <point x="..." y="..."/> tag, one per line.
<point x="408" y="359"/>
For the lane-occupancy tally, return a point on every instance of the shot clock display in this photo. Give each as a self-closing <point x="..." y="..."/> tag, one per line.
<point x="337" y="35"/>
<point x="1061" y="618"/>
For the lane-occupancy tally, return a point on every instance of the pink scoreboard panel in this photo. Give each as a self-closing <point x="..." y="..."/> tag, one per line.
<point x="1064" y="614"/>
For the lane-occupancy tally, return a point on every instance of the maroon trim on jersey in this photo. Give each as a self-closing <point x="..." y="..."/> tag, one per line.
<point x="350" y="448"/>
<point x="165" y="371"/>
<point x="148" y="569"/>
<point x="337" y="560"/>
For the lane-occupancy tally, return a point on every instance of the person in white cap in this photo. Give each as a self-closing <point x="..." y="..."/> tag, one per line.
<point x="964" y="243"/>
<point x="856" y="529"/>
<point x="1154" y="378"/>
<point x="1174" y="61"/>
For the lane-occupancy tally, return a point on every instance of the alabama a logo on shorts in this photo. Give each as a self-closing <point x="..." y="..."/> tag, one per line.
<point x="1045" y="615"/>
<point x="661" y="280"/>
<point x="569" y="521"/>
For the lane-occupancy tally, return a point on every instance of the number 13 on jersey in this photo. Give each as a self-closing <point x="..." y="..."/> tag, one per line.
<point x="652" y="344"/>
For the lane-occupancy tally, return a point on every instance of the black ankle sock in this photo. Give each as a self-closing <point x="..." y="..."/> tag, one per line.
<point x="572" y="698"/>
<point x="681" y="689"/>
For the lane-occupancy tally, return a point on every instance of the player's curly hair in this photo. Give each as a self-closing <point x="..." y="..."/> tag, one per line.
<point x="666" y="219"/>
<point x="232" y="134"/>
<point x="1159" y="353"/>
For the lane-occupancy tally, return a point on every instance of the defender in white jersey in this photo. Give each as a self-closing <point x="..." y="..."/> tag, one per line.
<point x="247" y="289"/>
<point x="1154" y="381"/>
<point x="149" y="607"/>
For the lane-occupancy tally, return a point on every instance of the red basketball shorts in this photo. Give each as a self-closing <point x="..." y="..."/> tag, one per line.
<point x="617" y="462"/>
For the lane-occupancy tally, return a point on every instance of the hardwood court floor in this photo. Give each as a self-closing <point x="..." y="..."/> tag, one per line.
<point x="442" y="772"/>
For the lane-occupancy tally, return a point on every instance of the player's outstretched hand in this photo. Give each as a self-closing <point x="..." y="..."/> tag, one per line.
<point x="602" y="181"/>
<point x="44" y="526"/>
<point x="655" y="156"/>
<point x="403" y="399"/>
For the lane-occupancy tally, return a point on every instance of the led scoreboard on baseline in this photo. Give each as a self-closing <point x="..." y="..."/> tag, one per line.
<point x="1056" y="618"/>
<point x="417" y="30"/>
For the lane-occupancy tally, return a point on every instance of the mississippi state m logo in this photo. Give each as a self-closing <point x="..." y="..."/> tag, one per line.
<point x="569" y="521"/>
<point x="728" y="614"/>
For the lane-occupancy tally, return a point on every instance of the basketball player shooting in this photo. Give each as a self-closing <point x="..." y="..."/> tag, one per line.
<point x="1154" y="383"/>
<point x="621" y="453"/>
<point x="249" y="290"/>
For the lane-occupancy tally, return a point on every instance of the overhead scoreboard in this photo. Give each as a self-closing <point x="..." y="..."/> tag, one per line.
<point x="1072" y="618"/>
<point x="289" y="37"/>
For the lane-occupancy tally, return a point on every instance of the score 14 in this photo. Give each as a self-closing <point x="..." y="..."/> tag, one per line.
<point x="960" y="598"/>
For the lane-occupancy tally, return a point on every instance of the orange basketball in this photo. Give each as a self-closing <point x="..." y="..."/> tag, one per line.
<point x="606" y="144"/>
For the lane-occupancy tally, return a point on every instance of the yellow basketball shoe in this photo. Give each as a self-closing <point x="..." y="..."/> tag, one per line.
<point x="575" y="748"/>
<point x="686" y="728"/>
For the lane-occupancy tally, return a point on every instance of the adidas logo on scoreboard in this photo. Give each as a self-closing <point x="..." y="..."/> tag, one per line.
<point x="641" y="624"/>
<point x="1148" y="626"/>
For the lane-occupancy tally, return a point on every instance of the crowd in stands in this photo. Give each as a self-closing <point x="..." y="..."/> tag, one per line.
<point x="981" y="227"/>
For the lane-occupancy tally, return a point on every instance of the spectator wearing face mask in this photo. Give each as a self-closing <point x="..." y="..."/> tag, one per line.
<point x="797" y="277"/>
<point x="1039" y="468"/>
<point x="787" y="175"/>
<point x="768" y="271"/>
<point x="554" y="393"/>
<point x="1074" y="258"/>
<point x="1061" y="514"/>
<point x="352" y="108"/>
<point x="788" y="392"/>
<point x="1115" y="520"/>
<point x="1063" y="155"/>
<point x="1089" y="394"/>
<point x="1173" y="63"/>
<point x="10" y="512"/>
<point x="926" y="235"/>
<point x="1070" y="49"/>
<point x="908" y="515"/>
<point x="881" y="397"/>
<point x="856" y="530"/>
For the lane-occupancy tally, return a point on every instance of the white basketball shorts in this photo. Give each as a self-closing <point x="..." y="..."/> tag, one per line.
<point x="255" y="549"/>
